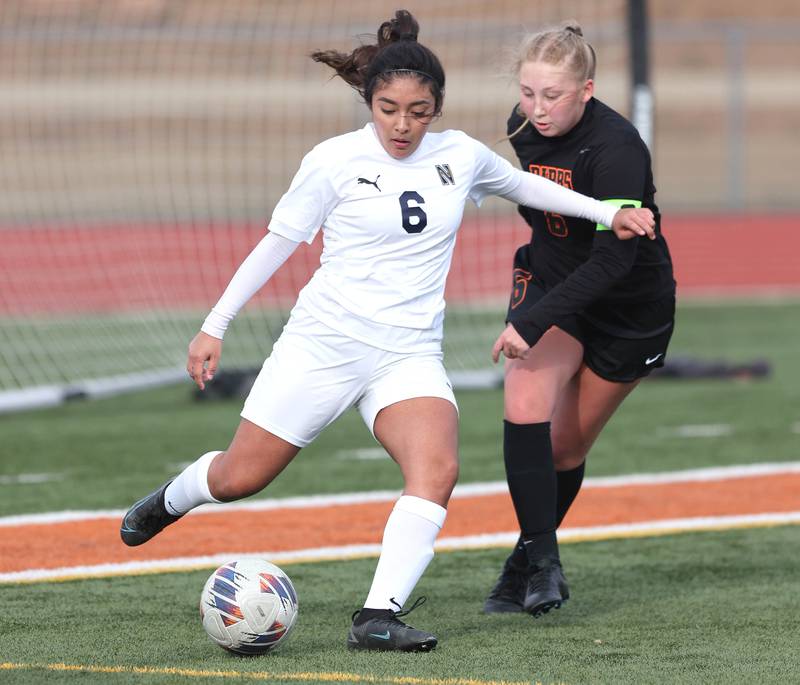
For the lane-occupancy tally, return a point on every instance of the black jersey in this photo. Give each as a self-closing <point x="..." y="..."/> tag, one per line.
<point x="584" y="269"/>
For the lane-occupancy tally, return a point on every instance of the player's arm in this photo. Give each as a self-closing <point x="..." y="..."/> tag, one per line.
<point x="257" y="268"/>
<point x="541" y="193"/>
<point x="494" y="175"/>
<point x="297" y="217"/>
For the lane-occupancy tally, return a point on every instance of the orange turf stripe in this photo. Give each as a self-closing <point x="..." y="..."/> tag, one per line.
<point x="97" y="541"/>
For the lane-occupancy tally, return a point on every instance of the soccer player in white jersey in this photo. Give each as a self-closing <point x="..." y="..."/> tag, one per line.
<point x="367" y="329"/>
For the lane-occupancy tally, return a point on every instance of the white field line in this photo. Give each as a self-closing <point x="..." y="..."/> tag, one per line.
<point x="696" y="430"/>
<point x="467" y="490"/>
<point x="30" y="478"/>
<point x="182" y="564"/>
<point x="362" y="454"/>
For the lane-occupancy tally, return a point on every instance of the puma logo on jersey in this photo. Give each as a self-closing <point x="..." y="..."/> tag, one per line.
<point x="368" y="182"/>
<point x="445" y="174"/>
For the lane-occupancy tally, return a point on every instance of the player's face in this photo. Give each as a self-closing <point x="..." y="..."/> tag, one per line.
<point x="552" y="97"/>
<point x="402" y="110"/>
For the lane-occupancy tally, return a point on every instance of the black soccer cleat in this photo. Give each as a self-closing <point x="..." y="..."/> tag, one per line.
<point x="508" y="594"/>
<point x="146" y="518"/>
<point x="547" y="588"/>
<point x="386" y="632"/>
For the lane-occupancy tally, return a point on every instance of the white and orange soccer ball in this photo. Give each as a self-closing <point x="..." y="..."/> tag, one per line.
<point x="248" y="606"/>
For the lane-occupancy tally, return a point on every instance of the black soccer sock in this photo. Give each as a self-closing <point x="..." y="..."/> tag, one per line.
<point x="519" y="556"/>
<point x="569" y="485"/>
<point x="532" y="483"/>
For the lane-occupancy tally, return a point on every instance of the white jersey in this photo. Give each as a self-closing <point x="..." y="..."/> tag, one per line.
<point x="389" y="228"/>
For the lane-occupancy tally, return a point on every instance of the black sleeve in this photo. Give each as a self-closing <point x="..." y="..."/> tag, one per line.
<point x="610" y="260"/>
<point x="619" y="170"/>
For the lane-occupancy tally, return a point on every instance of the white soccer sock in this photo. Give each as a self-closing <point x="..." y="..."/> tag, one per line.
<point x="190" y="488"/>
<point x="406" y="552"/>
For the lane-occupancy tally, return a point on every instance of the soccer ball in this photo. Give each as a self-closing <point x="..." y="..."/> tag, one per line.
<point x="248" y="606"/>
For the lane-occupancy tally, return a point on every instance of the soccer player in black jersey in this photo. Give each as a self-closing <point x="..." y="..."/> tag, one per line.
<point x="590" y="315"/>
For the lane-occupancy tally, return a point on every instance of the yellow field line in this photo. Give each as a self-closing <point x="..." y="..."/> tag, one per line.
<point x="322" y="677"/>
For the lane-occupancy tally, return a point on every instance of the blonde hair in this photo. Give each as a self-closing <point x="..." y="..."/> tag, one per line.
<point x="565" y="45"/>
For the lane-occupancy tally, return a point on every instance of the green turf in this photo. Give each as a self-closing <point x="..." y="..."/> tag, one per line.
<point x="718" y="607"/>
<point x="73" y="348"/>
<point x="701" y="608"/>
<point x="107" y="453"/>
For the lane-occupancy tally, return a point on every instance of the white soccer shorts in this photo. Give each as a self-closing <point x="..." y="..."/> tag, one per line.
<point x="315" y="374"/>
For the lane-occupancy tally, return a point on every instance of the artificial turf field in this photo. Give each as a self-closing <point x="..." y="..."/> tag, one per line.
<point x="702" y="607"/>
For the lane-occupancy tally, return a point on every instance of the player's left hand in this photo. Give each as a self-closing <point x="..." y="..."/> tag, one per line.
<point x="511" y="344"/>
<point x="634" y="222"/>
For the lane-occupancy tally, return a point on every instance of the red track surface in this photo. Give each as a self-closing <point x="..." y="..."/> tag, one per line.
<point x="121" y="267"/>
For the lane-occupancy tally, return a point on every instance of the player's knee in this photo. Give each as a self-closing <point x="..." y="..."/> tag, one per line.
<point x="527" y="409"/>
<point x="569" y="454"/>
<point x="436" y="482"/>
<point x="443" y="478"/>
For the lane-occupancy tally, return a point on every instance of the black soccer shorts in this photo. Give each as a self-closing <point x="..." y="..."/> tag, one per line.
<point x="621" y="342"/>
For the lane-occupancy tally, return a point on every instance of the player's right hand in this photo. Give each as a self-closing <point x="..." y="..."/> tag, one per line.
<point x="511" y="344"/>
<point x="204" y="354"/>
<point x="632" y="222"/>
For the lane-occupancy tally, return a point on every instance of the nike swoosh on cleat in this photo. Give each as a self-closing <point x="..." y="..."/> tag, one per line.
<point x="381" y="636"/>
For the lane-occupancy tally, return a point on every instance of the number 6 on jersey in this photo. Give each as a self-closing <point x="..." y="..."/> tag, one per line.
<point x="414" y="217"/>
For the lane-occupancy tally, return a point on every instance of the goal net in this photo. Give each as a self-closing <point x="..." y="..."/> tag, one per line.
<point x="144" y="144"/>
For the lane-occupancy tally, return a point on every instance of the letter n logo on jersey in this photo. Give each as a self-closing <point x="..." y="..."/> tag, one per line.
<point x="445" y="175"/>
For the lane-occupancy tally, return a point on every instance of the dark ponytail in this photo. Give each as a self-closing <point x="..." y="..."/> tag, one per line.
<point x="396" y="53"/>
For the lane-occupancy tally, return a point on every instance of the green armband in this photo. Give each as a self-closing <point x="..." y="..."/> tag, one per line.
<point x="622" y="204"/>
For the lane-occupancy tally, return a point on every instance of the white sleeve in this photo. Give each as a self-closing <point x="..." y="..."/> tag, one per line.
<point x="546" y="195"/>
<point x="495" y="175"/>
<point x="257" y="268"/>
<point x="311" y="197"/>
